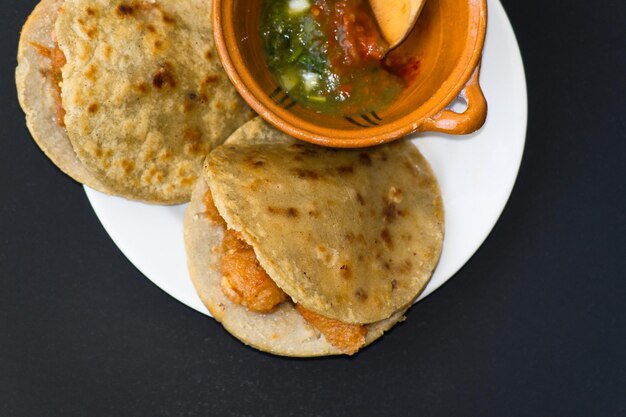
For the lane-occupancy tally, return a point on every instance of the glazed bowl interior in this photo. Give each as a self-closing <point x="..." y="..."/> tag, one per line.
<point x="446" y="42"/>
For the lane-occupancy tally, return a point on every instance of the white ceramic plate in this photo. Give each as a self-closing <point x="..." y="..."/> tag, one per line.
<point x="476" y="174"/>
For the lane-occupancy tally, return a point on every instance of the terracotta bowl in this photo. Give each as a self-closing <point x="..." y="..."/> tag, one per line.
<point x="447" y="40"/>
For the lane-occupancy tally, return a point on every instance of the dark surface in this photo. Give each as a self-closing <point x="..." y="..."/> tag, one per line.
<point x="533" y="325"/>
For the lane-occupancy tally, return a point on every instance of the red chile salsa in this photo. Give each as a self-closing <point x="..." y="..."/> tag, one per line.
<point x="328" y="55"/>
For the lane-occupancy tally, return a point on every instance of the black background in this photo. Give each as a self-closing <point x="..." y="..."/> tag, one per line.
<point x="533" y="325"/>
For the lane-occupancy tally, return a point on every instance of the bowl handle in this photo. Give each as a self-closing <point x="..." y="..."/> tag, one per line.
<point x="472" y="119"/>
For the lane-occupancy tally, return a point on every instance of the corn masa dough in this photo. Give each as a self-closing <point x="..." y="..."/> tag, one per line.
<point x="351" y="234"/>
<point x="145" y="95"/>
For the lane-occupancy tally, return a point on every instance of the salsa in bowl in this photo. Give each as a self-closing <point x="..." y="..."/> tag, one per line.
<point x="329" y="55"/>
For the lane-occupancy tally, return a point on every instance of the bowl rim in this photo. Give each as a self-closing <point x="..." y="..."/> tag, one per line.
<point x="283" y="120"/>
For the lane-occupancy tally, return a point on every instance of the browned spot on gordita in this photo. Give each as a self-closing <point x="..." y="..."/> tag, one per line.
<point x="194" y="148"/>
<point x="141" y="87"/>
<point x="411" y="168"/>
<point x="394" y="284"/>
<point x="288" y="212"/>
<point x="188" y="181"/>
<point x="167" y="18"/>
<point x="208" y="55"/>
<point x="345" y="170"/>
<point x="314" y="213"/>
<point x="360" y="199"/>
<point x="107" y="50"/>
<point x="192" y="134"/>
<point x="303" y="149"/>
<point x="361" y="294"/>
<point x="210" y="79"/>
<point x="91" y="11"/>
<point x="92" y="32"/>
<point x="193" y="144"/>
<point x="150" y="28"/>
<point x="305" y="174"/>
<point x="390" y="212"/>
<point x="386" y="237"/>
<point x="125" y="9"/>
<point x="345" y="271"/>
<point x="128" y="166"/>
<point x="256" y="161"/>
<point x="91" y="72"/>
<point x="164" y="76"/>
<point x="93" y="108"/>
<point x="395" y="195"/>
<point x="166" y="154"/>
<point x="365" y="159"/>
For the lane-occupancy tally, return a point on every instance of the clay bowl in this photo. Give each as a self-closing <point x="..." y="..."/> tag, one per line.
<point x="447" y="40"/>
